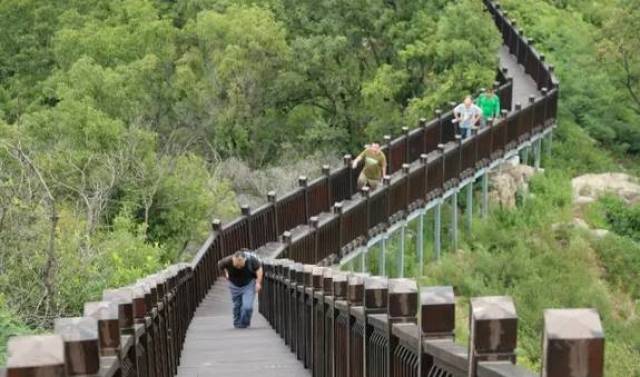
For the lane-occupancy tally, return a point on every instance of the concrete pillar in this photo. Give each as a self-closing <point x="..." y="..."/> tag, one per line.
<point x="485" y="194"/>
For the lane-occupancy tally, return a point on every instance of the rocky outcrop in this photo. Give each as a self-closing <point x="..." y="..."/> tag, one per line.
<point x="589" y="187"/>
<point x="507" y="180"/>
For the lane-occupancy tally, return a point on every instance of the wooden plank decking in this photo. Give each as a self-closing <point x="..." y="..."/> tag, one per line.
<point x="213" y="348"/>
<point x="523" y="84"/>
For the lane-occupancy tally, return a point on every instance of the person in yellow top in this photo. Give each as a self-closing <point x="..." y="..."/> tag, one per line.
<point x="375" y="166"/>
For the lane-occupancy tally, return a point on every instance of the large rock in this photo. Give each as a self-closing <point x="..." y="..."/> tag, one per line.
<point x="507" y="180"/>
<point x="589" y="187"/>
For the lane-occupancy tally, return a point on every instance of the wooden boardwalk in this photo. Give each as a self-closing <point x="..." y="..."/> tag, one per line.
<point x="523" y="84"/>
<point x="213" y="348"/>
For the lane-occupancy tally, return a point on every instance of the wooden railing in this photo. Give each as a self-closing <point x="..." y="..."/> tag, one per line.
<point x="355" y="325"/>
<point x="338" y="325"/>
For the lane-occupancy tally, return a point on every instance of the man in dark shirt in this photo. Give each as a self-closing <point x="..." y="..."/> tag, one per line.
<point x="244" y="273"/>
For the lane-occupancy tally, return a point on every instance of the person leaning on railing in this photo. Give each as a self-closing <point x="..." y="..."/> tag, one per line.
<point x="467" y="115"/>
<point x="244" y="272"/>
<point x="489" y="103"/>
<point x="375" y="166"/>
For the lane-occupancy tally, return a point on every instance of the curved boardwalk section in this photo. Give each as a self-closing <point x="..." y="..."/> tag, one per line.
<point x="213" y="348"/>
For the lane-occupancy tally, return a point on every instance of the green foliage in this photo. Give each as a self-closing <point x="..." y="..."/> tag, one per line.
<point x="524" y="253"/>
<point x="623" y="218"/>
<point x="574" y="39"/>
<point x="10" y="326"/>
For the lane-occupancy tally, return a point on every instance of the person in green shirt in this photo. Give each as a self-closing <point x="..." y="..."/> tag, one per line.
<point x="489" y="102"/>
<point x="375" y="166"/>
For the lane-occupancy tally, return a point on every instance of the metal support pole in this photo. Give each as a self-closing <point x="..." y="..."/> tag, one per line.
<point x="469" y="206"/>
<point x="401" y="253"/>
<point x="454" y="220"/>
<point x="537" y="152"/>
<point x="382" y="262"/>
<point x="437" y="231"/>
<point x="549" y="143"/>
<point x="525" y="156"/>
<point x="363" y="260"/>
<point x="485" y="194"/>
<point x="420" y="244"/>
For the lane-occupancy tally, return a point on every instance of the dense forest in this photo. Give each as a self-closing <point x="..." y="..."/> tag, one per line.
<point x="126" y="125"/>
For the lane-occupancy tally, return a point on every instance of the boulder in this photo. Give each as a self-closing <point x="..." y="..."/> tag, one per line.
<point x="589" y="187"/>
<point x="507" y="180"/>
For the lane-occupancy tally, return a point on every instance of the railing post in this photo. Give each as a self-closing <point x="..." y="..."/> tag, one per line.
<point x="402" y="307"/>
<point x="493" y="331"/>
<point x="386" y="184"/>
<point x="355" y="298"/>
<point x="438" y="113"/>
<point x="338" y="210"/>
<point x="123" y="297"/>
<point x="340" y="326"/>
<point x="407" y="188"/>
<point x="422" y="123"/>
<point x="376" y="294"/>
<point x="287" y="240"/>
<point x="106" y="313"/>
<point x="273" y="199"/>
<point x="308" y="315"/>
<point x="36" y="355"/>
<point x="304" y="185"/>
<point x="246" y="213"/>
<point x="328" y="300"/>
<point x="386" y="141"/>
<point x="315" y="224"/>
<point x="405" y="134"/>
<point x="81" y="346"/>
<point x="347" y="160"/>
<point x="366" y="194"/>
<point x="211" y="273"/>
<point x="318" y="322"/>
<point x="573" y="344"/>
<point x="437" y="312"/>
<point x="437" y="319"/>
<point x="326" y="172"/>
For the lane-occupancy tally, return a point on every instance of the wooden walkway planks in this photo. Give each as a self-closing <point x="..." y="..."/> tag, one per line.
<point x="523" y="84"/>
<point x="213" y="348"/>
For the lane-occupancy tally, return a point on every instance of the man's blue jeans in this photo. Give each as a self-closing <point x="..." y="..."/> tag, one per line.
<point x="465" y="132"/>
<point x="242" y="298"/>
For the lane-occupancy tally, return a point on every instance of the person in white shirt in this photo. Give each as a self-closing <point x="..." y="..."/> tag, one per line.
<point x="467" y="115"/>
